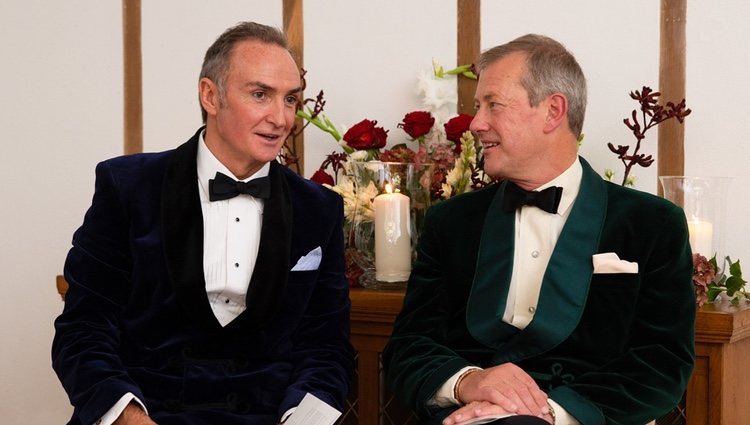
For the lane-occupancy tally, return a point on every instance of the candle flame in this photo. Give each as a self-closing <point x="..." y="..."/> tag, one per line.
<point x="388" y="188"/>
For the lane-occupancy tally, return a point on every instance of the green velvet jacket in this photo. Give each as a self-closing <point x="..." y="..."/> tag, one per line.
<point x="609" y="348"/>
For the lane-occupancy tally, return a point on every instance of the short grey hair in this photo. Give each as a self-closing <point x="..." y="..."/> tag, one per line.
<point x="216" y="62"/>
<point x="550" y="68"/>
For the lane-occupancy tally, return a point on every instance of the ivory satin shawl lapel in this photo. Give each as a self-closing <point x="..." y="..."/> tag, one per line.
<point x="182" y="224"/>
<point x="565" y="284"/>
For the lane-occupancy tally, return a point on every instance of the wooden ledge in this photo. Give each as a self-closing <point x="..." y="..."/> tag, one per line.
<point x="722" y="323"/>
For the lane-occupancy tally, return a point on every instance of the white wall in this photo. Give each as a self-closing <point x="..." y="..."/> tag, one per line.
<point x="62" y="112"/>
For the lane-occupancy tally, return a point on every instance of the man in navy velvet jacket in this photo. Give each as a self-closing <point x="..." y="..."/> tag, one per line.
<point x="198" y="298"/>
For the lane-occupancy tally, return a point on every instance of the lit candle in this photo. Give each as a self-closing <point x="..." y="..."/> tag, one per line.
<point x="701" y="235"/>
<point x="392" y="238"/>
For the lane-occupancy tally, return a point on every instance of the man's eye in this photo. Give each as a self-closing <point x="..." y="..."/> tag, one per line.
<point x="259" y="95"/>
<point x="291" y="100"/>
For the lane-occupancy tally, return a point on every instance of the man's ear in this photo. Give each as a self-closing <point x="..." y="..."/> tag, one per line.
<point x="557" y="112"/>
<point x="208" y="93"/>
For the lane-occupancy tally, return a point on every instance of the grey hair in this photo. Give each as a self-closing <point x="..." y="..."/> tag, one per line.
<point x="550" y="68"/>
<point x="216" y="62"/>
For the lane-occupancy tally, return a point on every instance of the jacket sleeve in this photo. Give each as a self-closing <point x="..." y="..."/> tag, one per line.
<point x="97" y="268"/>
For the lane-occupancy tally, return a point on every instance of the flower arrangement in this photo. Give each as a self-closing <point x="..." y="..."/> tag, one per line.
<point x="448" y="145"/>
<point x="652" y="114"/>
<point x="711" y="283"/>
<point x="433" y="135"/>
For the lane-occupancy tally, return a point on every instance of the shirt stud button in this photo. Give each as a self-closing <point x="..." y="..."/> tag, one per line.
<point x="532" y="309"/>
<point x="236" y="264"/>
<point x="226" y="301"/>
<point x="535" y="254"/>
<point x="237" y="219"/>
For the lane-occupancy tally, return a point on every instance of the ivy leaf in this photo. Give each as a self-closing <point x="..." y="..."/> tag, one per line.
<point x="734" y="268"/>
<point x="734" y="283"/>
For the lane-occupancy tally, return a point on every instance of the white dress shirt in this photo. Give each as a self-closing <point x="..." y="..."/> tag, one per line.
<point x="231" y="236"/>
<point x="536" y="233"/>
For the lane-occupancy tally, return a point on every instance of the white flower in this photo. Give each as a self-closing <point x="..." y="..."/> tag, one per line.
<point x="357" y="204"/>
<point x="358" y="156"/>
<point x="458" y="179"/>
<point x="439" y="96"/>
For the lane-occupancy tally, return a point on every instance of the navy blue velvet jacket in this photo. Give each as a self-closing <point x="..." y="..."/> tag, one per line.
<point x="137" y="318"/>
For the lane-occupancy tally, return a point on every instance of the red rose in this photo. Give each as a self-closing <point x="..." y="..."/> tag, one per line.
<point x="456" y="127"/>
<point x="322" y="177"/>
<point x="364" y="135"/>
<point x="417" y="123"/>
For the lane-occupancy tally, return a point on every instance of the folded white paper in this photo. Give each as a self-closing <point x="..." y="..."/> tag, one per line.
<point x="313" y="411"/>
<point x="609" y="262"/>
<point x="483" y="419"/>
<point x="310" y="261"/>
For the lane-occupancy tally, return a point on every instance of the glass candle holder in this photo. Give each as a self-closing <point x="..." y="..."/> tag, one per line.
<point x="391" y="200"/>
<point x="704" y="201"/>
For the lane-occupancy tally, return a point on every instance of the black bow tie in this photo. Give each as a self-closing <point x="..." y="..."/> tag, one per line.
<point x="223" y="187"/>
<point x="547" y="199"/>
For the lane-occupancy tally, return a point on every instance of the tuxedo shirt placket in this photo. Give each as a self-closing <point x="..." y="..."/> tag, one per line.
<point x="536" y="233"/>
<point x="535" y="236"/>
<point x="231" y="237"/>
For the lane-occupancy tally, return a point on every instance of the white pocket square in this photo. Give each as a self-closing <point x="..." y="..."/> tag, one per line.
<point x="311" y="261"/>
<point x="609" y="262"/>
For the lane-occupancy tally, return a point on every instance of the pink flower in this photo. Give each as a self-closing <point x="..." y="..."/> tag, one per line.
<point x="703" y="274"/>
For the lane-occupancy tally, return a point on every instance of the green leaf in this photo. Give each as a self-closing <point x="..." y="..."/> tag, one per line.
<point x="734" y="268"/>
<point x="734" y="283"/>
<point x="713" y="292"/>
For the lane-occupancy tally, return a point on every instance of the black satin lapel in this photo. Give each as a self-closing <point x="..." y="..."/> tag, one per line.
<point x="268" y="283"/>
<point x="182" y="224"/>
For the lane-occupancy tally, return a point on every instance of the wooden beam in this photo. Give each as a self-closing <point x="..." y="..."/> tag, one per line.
<point x="132" y="77"/>
<point x="294" y="30"/>
<point x="671" y="150"/>
<point x="468" y="41"/>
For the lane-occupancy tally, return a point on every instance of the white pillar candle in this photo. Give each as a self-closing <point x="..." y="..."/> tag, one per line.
<point x="701" y="236"/>
<point x="392" y="238"/>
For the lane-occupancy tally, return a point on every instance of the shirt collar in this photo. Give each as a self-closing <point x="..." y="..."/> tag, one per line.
<point x="209" y="165"/>
<point x="570" y="181"/>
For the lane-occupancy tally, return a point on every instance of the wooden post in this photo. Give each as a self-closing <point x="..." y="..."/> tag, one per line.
<point x="468" y="40"/>
<point x="671" y="150"/>
<point x="294" y="30"/>
<point x="132" y="77"/>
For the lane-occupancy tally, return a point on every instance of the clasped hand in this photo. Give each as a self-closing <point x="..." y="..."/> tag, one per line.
<point x="503" y="389"/>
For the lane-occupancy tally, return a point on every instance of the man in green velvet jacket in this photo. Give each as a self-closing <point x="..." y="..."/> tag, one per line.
<point x="574" y="308"/>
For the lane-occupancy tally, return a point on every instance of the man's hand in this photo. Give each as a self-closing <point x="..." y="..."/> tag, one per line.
<point x="506" y="386"/>
<point x="133" y="415"/>
<point x="477" y="409"/>
<point x="473" y="410"/>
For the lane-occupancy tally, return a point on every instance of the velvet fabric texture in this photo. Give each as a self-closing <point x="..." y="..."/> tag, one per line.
<point x="137" y="318"/>
<point x="609" y="348"/>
